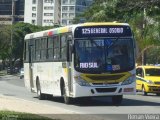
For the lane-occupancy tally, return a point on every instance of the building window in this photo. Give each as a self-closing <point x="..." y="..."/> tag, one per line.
<point x="71" y="15"/>
<point x="64" y="8"/>
<point x="64" y="15"/>
<point x="64" y="22"/>
<point x="48" y="1"/>
<point x="34" y="22"/>
<point x="48" y="21"/>
<point x="33" y="8"/>
<point x="48" y="8"/>
<point x="33" y="1"/>
<point x="72" y="1"/>
<point x="33" y="14"/>
<point x="65" y="1"/>
<point x="48" y="14"/>
<point x="70" y="22"/>
<point x="71" y="8"/>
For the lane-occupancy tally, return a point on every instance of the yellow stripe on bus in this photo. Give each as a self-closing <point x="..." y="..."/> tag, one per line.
<point x="63" y="30"/>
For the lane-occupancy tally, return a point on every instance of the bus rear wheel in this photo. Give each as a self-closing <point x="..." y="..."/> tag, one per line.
<point x="40" y="95"/>
<point x="117" y="100"/>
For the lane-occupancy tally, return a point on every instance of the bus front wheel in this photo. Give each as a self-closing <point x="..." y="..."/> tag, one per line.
<point x="117" y="100"/>
<point x="67" y="100"/>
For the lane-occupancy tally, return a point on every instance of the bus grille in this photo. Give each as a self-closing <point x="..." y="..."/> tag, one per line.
<point x="100" y="90"/>
<point x="113" y="83"/>
<point x="106" y="77"/>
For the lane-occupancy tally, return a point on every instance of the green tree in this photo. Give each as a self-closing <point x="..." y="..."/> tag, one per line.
<point x="15" y="52"/>
<point x="142" y="15"/>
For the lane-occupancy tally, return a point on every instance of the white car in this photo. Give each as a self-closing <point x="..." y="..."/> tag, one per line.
<point x="21" y="73"/>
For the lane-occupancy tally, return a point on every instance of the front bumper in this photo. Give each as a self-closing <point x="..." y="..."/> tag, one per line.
<point x="112" y="90"/>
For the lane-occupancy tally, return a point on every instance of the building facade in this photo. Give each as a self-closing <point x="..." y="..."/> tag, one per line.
<point x="72" y="8"/>
<point x="11" y="11"/>
<point x="54" y="12"/>
<point x="42" y="12"/>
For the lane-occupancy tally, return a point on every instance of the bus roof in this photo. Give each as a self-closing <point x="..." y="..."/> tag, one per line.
<point x="69" y="28"/>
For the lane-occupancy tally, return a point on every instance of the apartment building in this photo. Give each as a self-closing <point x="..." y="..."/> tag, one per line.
<point x="53" y="12"/>
<point x="11" y="9"/>
<point x="72" y="8"/>
<point x="42" y="12"/>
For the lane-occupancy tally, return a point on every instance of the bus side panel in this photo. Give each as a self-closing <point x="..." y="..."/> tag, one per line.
<point x="48" y="74"/>
<point x="58" y="74"/>
<point x="43" y="73"/>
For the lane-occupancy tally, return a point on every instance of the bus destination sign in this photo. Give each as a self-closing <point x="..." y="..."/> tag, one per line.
<point x="102" y="31"/>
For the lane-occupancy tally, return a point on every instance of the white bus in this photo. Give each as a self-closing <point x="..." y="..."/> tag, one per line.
<point x="81" y="61"/>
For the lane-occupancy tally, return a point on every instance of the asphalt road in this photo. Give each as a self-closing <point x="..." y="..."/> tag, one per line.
<point x="132" y="104"/>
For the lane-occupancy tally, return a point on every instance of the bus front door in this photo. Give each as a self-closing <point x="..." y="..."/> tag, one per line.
<point x="69" y="66"/>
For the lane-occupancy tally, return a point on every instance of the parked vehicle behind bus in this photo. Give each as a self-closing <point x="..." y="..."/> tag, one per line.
<point x="148" y="79"/>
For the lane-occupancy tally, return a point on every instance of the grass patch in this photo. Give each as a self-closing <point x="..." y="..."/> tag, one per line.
<point x="9" y="115"/>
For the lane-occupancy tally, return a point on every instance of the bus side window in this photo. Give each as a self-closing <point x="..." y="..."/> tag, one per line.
<point x="63" y="47"/>
<point x="44" y="49"/>
<point x="50" y="45"/>
<point x="56" y="47"/>
<point x="38" y="51"/>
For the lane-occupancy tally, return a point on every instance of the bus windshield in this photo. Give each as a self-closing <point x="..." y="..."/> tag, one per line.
<point x="102" y="55"/>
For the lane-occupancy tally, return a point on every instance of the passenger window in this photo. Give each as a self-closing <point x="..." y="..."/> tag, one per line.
<point x="63" y="47"/>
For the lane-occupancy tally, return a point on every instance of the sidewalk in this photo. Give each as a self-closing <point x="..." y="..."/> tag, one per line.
<point x="21" y="105"/>
<point x="8" y="103"/>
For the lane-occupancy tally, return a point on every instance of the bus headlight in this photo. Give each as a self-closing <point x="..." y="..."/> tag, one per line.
<point x="129" y="80"/>
<point x="81" y="82"/>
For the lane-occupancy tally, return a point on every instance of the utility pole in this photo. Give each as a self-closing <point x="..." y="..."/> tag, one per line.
<point x="144" y="23"/>
<point x="12" y="22"/>
<point x="13" y="19"/>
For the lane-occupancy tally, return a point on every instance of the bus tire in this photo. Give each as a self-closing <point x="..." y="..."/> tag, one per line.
<point x="40" y="95"/>
<point x="67" y="100"/>
<point x="117" y="100"/>
<point x="143" y="91"/>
